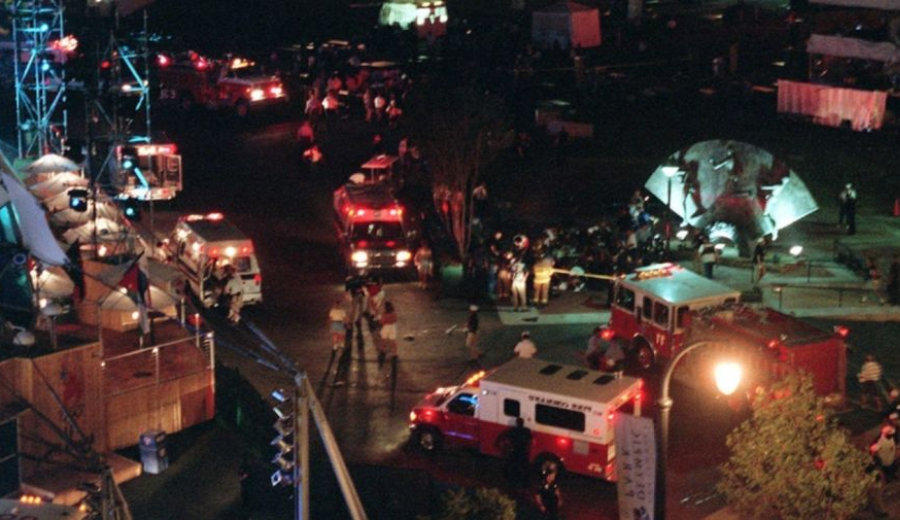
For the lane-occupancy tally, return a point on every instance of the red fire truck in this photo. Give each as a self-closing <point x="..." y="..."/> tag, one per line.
<point x="234" y="83"/>
<point x="570" y="411"/>
<point x="659" y="309"/>
<point x="371" y="226"/>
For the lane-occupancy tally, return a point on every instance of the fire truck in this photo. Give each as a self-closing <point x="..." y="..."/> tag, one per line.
<point x="659" y="309"/>
<point x="571" y="412"/>
<point x="201" y="246"/>
<point x="148" y="171"/>
<point x="371" y="225"/>
<point x="235" y="83"/>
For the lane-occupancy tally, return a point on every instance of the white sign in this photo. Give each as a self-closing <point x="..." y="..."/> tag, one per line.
<point x="635" y="467"/>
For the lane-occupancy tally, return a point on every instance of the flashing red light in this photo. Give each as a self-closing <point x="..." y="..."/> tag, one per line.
<point x="772" y="343"/>
<point x="428" y="414"/>
<point x="611" y="416"/>
<point x="563" y="442"/>
<point x="214" y="251"/>
<point x="257" y="279"/>
<point x="841" y="331"/>
<point x="362" y="244"/>
<point x="105" y="64"/>
<point x="163" y="61"/>
<point x="607" y="334"/>
<point x="360" y="212"/>
<point x="247" y="250"/>
<point x="215" y="216"/>
<point x="638" y="396"/>
<point x="390" y="243"/>
<point x="201" y="64"/>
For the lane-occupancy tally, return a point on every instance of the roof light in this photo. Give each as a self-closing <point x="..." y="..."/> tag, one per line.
<point x="276" y="91"/>
<point x="163" y="61"/>
<point x="841" y="331"/>
<point x="474" y="378"/>
<point x="215" y="216"/>
<point x="563" y="442"/>
<point x="214" y="251"/>
<point x="230" y="251"/>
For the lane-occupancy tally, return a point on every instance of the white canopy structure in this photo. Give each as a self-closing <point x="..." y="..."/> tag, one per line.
<point x="57" y="184"/>
<point x="32" y="223"/>
<point x="106" y="230"/>
<point x="52" y="163"/>
<point x="566" y="24"/>
<point x="68" y="217"/>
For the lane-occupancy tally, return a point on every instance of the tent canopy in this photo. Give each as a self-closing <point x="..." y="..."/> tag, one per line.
<point x="566" y="24"/>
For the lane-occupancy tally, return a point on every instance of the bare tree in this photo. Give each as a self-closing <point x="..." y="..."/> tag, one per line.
<point x="458" y="131"/>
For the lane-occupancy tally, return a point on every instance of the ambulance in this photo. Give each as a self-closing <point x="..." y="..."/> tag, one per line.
<point x="201" y="246"/>
<point x="571" y="412"/>
<point x="371" y="226"/>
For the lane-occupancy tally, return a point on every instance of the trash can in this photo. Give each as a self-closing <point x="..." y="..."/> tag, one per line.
<point x="154" y="456"/>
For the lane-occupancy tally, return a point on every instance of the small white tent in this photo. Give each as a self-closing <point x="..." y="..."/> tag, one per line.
<point x="566" y="24"/>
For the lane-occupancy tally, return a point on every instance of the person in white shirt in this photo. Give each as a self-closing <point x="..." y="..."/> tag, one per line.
<point x="525" y="348"/>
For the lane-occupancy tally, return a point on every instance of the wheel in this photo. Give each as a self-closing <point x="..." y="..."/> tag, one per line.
<point x="427" y="439"/>
<point x="242" y="109"/>
<point x="644" y="356"/>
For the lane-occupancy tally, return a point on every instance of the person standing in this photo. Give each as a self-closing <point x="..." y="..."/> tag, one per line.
<point x="424" y="263"/>
<point x="519" y="286"/>
<point x="869" y="382"/>
<point x="598" y="344"/>
<point x="472" y="335"/>
<point x="515" y="445"/>
<point x="874" y="278"/>
<point x="234" y="289"/>
<point x="525" y="348"/>
<point x="543" y="272"/>
<point x="884" y="451"/>
<point x="548" y="497"/>
<point x="355" y="286"/>
<point x="387" y="348"/>
<point x="893" y="285"/>
<point x="758" y="261"/>
<point x="337" y="319"/>
<point x="848" y="208"/>
<point x="708" y="256"/>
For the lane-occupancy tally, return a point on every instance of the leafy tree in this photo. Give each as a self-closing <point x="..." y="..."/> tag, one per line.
<point x="791" y="461"/>
<point x="483" y="504"/>
<point x="458" y="130"/>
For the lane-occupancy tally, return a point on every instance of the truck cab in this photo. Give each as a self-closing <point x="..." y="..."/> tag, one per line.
<point x="571" y="412"/>
<point x="371" y="226"/>
<point x="651" y="309"/>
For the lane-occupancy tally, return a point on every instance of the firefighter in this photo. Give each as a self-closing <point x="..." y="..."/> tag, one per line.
<point x="543" y="271"/>
<point x="234" y="290"/>
<point x="519" y="286"/>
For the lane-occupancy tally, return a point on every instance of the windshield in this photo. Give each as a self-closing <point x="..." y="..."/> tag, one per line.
<point x="377" y="231"/>
<point x="246" y="72"/>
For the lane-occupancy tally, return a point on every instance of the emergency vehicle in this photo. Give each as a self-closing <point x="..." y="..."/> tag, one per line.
<point x="571" y="412"/>
<point x="148" y="171"/>
<point x="371" y="225"/>
<point x="659" y="309"/>
<point x="203" y="245"/>
<point x="234" y="83"/>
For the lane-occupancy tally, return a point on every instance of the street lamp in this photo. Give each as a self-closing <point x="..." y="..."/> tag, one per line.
<point x="670" y="169"/>
<point x="728" y="378"/>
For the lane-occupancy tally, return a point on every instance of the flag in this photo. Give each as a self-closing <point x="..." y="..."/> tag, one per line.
<point x="75" y="270"/>
<point x="136" y="282"/>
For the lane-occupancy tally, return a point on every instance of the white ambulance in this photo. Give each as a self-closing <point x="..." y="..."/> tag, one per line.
<point x="202" y="246"/>
<point x="571" y="412"/>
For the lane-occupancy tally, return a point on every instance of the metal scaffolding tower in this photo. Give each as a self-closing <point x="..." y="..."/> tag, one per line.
<point x="41" y="117"/>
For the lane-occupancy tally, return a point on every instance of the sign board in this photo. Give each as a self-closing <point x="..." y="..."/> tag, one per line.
<point x="635" y="467"/>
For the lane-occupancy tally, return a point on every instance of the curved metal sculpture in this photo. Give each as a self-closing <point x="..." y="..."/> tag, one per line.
<point x="731" y="190"/>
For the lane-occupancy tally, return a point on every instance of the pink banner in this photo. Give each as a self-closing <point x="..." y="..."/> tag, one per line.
<point x="831" y="106"/>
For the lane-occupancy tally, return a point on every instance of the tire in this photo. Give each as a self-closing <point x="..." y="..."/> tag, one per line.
<point x="427" y="439"/>
<point x="644" y="358"/>
<point x="242" y="109"/>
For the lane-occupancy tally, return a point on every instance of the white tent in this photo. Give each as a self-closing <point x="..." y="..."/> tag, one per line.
<point x="566" y="24"/>
<point x="106" y="229"/>
<point x="36" y="234"/>
<point x="57" y="184"/>
<point x="68" y="217"/>
<point x="52" y="163"/>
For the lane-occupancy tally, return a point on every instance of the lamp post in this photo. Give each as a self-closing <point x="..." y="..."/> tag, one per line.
<point x="670" y="169"/>
<point x="728" y="377"/>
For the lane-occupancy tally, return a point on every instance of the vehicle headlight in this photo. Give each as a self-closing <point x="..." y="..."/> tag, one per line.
<point x="257" y="94"/>
<point x="412" y="416"/>
<point x="403" y="256"/>
<point x="359" y="257"/>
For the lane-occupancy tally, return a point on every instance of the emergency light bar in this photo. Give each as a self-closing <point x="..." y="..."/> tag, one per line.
<point x="474" y="378"/>
<point x="241" y="63"/>
<point x="144" y="150"/>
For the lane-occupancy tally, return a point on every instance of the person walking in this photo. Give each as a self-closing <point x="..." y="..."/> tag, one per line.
<point x="337" y="325"/>
<point x="893" y="285"/>
<point x="598" y="344"/>
<point x="548" y="497"/>
<point x="847" y="200"/>
<point x="424" y="263"/>
<point x="355" y="287"/>
<point x="708" y="256"/>
<point x="387" y="348"/>
<point x="525" y="348"/>
<point x="472" y="335"/>
<point x="515" y="446"/>
<point x="519" y="286"/>
<point x="543" y="272"/>
<point x="758" y="262"/>
<point x="870" y="382"/>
